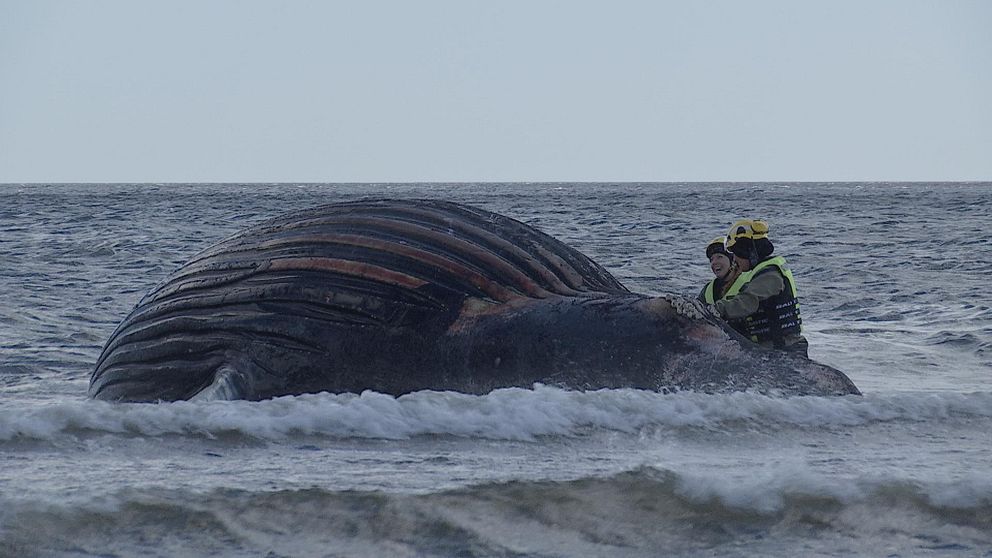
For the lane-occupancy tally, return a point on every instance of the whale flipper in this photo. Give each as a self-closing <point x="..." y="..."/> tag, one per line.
<point x="229" y="384"/>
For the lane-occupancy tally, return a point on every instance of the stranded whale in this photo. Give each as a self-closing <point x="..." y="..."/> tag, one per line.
<point x="398" y="296"/>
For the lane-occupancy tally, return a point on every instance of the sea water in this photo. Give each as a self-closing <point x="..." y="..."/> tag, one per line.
<point x="893" y="281"/>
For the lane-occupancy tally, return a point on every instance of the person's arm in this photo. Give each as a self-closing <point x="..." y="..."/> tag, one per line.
<point x="763" y="286"/>
<point x="702" y="294"/>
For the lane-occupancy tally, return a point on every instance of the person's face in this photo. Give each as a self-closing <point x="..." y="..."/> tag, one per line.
<point x="720" y="264"/>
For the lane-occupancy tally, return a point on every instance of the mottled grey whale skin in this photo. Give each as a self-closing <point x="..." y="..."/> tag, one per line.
<point x="398" y="296"/>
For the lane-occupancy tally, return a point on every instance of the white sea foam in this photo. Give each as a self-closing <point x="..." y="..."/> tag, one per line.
<point x="507" y="414"/>
<point x="645" y="510"/>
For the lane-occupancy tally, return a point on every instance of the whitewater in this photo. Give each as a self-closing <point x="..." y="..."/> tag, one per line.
<point x="892" y="284"/>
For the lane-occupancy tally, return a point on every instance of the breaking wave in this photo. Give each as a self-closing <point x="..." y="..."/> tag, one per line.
<point x="507" y="414"/>
<point x="634" y="513"/>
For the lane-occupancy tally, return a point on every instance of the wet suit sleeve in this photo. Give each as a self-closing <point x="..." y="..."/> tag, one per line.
<point x="763" y="286"/>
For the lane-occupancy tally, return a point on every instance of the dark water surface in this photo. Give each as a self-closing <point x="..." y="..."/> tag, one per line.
<point x="892" y="279"/>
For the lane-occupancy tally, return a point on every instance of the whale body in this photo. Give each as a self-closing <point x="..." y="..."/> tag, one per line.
<point x="397" y="296"/>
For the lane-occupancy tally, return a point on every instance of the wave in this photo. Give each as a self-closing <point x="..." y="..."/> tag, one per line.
<point x="506" y="414"/>
<point x="643" y="512"/>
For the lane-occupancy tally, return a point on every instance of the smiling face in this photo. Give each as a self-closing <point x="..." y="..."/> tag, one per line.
<point x="720" y="264"/>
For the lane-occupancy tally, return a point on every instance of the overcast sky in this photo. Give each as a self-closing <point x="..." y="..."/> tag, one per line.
<point x="462" y="90"/>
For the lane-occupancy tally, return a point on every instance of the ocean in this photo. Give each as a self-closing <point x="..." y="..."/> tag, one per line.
<point x="892" y="280"/>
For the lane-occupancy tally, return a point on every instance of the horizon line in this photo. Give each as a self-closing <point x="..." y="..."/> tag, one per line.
<point x="462" y="182"/>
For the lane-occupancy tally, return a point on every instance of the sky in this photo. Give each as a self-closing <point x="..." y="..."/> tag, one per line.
<point x="473" y="91"/>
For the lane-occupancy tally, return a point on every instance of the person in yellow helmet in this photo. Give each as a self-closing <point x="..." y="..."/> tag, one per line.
<point x="763" y="304"/>
<point x="724" y="269"/>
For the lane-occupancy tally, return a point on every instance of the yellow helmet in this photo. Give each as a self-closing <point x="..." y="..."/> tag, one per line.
<point x="753" y="229"/>
<point x="716" y="246"/>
